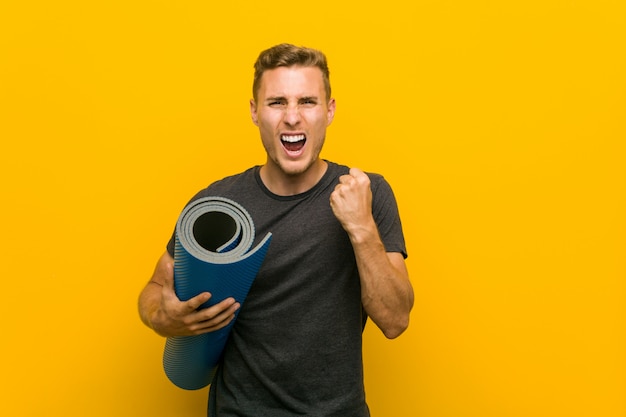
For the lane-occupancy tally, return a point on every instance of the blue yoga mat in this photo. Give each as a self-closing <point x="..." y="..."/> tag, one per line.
<point x="213" y="240"/>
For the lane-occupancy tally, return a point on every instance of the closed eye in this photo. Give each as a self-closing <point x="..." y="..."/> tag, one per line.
<point x="308" y="101"/>
<point x="274" y="102"/>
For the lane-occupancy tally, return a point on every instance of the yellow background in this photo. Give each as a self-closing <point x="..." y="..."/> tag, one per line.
<point x="500" y="125"/>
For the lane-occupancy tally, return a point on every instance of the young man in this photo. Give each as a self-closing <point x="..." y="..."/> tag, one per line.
<point x="336" y="258"/>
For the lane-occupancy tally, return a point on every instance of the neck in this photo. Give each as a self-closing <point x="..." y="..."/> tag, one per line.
<point x="283" y="184"/>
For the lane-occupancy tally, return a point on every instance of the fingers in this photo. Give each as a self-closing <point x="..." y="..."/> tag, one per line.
<point x="357" y="174"/>
<point x="183" y="318"/>
<point x="215" y="317"/>
<point x="351" y="200"/>
<point x="354" y="177"/>
<point x="352" y="185"/>
<point x="194" y="303"/>
<point x="175" y="317"/>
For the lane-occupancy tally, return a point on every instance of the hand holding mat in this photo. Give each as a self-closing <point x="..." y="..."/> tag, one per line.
<point x="213" y="238"/>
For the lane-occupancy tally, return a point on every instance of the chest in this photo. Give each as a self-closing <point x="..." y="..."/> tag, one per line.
<point x="310" y="257"/>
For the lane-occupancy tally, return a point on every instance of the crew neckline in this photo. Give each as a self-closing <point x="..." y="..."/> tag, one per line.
<point x="328" y="175"/>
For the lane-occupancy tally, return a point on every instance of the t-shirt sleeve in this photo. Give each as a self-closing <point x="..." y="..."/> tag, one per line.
<point x="387" y="216"/>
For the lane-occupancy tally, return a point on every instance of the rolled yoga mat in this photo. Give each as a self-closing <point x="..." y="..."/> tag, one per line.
<point x="213" y="238"/>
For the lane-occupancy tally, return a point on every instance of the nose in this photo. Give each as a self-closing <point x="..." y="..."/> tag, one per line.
<point x="291" y="116"/>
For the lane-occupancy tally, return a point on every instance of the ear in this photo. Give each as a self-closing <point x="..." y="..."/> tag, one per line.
<point x="330" y="114"/>
<point x="253" y="112"/>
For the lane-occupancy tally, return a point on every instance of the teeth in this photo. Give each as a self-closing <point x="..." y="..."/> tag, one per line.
<point x="292" y="138"/>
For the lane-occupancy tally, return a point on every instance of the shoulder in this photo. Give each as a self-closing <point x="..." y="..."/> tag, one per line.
<point x="247" y="175"/>
<point x="233" y="183"/>
<point x="339" y="169"/>
<point x="336" y="170"/>
<point x="378" y="183"/>
<point x="383" y="197"/>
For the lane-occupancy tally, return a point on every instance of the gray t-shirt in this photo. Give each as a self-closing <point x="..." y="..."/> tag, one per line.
<point x="296" y="347"/>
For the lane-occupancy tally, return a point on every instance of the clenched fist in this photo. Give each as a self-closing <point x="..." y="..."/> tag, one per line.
<point x="351" y="201"/>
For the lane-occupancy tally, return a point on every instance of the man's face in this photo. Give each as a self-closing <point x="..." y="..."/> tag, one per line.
<point x="292" y="113"/>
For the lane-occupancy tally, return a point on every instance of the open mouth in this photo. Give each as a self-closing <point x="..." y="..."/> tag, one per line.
<point x="293" y="143"/>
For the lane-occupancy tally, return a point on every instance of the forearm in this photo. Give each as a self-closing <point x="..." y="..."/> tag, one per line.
<point x="150" y="299"/>
<point x="149" y="303"/>
<point x="386" y="292"/>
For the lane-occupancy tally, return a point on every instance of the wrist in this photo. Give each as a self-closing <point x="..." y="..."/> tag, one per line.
<point x="363" y="232"/>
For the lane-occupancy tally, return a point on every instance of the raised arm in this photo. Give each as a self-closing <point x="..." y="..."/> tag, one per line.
<point x="161" y="310"/>
<point x="386" y="292"/>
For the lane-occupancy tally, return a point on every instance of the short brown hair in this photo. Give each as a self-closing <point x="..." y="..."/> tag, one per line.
<point x="287" y="55"/>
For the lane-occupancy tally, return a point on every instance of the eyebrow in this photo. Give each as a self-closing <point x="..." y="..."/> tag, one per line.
<point x="282" y="98"/>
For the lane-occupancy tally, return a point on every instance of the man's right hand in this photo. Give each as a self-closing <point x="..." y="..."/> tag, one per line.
<point x="168" y="316"/>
